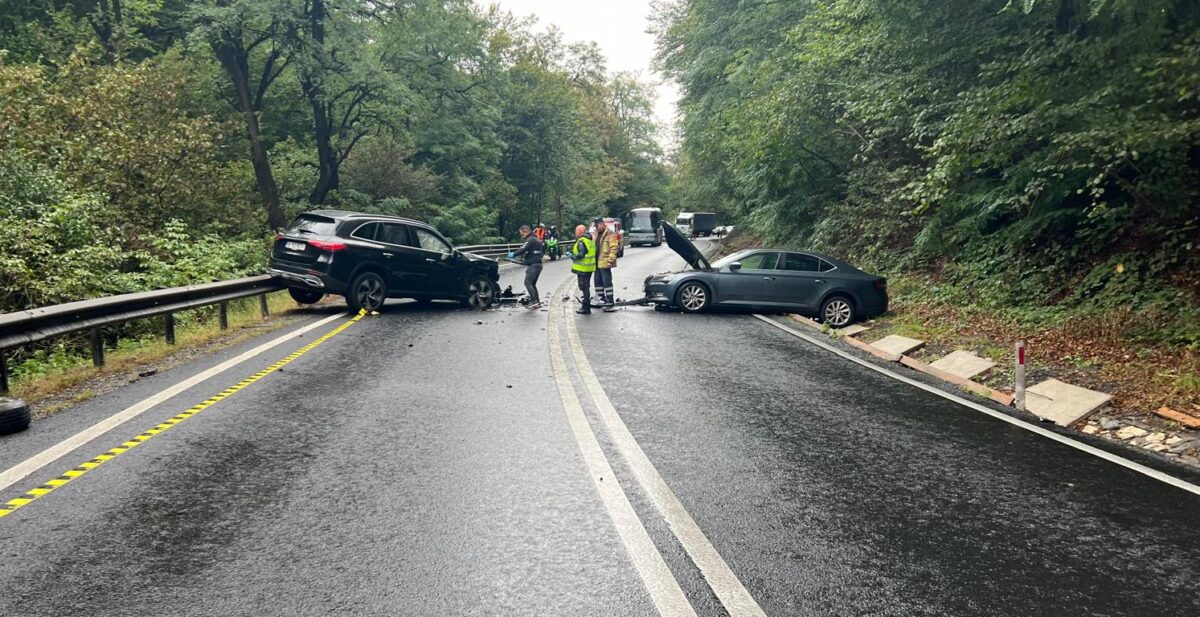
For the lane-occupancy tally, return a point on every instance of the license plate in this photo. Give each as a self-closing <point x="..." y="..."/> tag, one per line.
<point x="296" y="246"/>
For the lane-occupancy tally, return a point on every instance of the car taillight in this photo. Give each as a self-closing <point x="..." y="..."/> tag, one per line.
<point x="881" y="284"/>
<point x="278" y="237"/>
<point x="323" y="245"/>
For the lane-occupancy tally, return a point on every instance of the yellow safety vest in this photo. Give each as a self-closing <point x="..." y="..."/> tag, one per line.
<point x="586" y="263"/>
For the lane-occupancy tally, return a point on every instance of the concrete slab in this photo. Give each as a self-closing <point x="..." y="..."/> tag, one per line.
<point x="806" y="322"/>
<point x="1063" y="403"/>
<point x="964" y="364"/>
<point x="853" y="330"/>
<point x="900" y="345"/>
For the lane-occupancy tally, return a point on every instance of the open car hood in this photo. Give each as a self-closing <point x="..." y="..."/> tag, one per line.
<point x="685" y="248"/>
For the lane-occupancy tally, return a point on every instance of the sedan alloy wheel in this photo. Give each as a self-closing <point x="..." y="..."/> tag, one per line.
<point x="837" y="312"/>
<point x="693" y="297"/>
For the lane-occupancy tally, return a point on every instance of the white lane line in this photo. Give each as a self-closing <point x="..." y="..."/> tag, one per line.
<point x="14" y="474"/>
<point x="724" y="583"/>
<point x="1094" y="451"/>
<point x="665" y="592"/>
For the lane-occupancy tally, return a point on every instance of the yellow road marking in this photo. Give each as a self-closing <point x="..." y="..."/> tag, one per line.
<point x="49" y="487"/>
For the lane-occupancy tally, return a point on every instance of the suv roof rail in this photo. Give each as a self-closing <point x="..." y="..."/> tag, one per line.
<point x="349" y="214"/>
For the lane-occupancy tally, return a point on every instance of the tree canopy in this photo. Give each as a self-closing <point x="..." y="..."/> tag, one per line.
<point x="140" y="135"/>
<point x="1035" y="151"/>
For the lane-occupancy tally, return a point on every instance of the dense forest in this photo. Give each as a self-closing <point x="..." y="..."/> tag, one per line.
<point x="150" y="143"/>
<point x="1042" y="154"/>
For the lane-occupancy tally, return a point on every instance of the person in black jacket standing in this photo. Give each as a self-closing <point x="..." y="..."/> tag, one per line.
<point x="531" y="255"/>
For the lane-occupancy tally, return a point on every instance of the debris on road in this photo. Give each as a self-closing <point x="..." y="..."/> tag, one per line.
<point x="1130" y="432"/>
<point x="1187" y="420"/>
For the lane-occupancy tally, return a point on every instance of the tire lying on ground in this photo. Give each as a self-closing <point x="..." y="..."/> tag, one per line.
<point x="14" y="415"/>
<point x="305" y="296"/>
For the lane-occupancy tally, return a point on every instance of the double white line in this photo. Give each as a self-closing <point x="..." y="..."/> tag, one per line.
<point x="664" y="589"/>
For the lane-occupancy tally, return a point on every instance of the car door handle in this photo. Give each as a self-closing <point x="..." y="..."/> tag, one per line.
<point x="388" y="255"/>
<point x="430" y="260"/>
<point x="819" y="281"/>
<point x="768" y="278"/>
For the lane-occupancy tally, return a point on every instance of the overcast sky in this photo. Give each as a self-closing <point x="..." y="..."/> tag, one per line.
<point x="618" y="26"/>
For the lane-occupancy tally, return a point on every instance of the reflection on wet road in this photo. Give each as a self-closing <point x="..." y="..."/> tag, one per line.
<point x="422" y="463"/>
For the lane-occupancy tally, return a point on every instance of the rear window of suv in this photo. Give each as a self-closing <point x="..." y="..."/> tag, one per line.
<point x="313" y="226"/>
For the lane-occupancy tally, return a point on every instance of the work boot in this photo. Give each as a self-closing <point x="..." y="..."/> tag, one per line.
<point x="584" y="310"/>
<point x="608" y="308"/>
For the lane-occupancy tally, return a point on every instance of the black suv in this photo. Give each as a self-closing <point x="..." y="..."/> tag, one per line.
<point x="369" y="258"/>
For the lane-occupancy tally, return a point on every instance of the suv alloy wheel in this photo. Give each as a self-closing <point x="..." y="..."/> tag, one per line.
<point x="368" y="291"/>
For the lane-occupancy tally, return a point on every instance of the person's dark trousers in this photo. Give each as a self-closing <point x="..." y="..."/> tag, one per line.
<point x="604" y="285"/>
<point x="585" y="288"/>
<point x="532" y="273"/>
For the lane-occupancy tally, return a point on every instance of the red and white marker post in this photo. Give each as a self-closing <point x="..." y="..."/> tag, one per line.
<point x="1019" y="394"/>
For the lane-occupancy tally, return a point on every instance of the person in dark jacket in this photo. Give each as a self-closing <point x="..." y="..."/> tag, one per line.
<point x="531" y="255"/>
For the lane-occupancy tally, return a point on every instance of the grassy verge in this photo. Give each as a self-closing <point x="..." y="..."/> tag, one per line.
<point x="1093" y="350"/>
<point x="1101" y="350"/>
<point x="52" y="382"/>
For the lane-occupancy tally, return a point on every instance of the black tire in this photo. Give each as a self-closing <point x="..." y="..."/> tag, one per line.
<point x="838" y="312"/>
<point x="480" y="293"/>
<point x="693" y="297"/>
<point x="305" y="296"/>
<point x="368" y="291"/>
<point x="14" y="415"/>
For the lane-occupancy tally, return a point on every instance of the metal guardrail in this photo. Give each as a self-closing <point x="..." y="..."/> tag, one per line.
<point x="25" y="327"/>
<point x="490" y="250"/>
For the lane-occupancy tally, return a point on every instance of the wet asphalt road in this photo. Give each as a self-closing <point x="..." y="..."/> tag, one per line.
<point x="421" y="463"/>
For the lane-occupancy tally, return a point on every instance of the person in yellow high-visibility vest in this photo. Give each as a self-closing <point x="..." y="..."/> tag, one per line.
<point x="583" y="254"/>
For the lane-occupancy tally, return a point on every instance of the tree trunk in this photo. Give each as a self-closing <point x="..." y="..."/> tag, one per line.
<point x="108" y="28"/>
<point x="236" y="62"/>
<point x="327" y="163"/>
<point x="311" y="81"/>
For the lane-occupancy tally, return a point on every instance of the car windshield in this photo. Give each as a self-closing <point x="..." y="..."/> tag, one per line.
<point x="728" y="259"/>
<point x="641" y="223"/>
<point x="312" y="225"/>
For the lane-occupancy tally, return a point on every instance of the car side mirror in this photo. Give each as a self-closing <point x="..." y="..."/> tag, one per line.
<point x="735" y="266"/>
<point x="448" y="256"/>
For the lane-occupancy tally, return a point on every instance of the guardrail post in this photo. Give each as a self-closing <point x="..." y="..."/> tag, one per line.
<point x="97" y="347"/>
<point x="1019" y="389"/>
<point x="170" y="328"/>
<point x="223" y="315"/>
<point x="262" y="305"/>
<point x="3" y="371"/>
